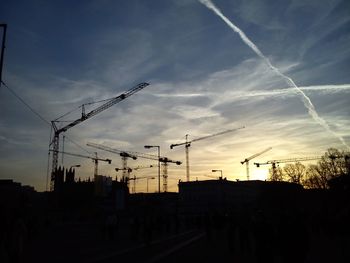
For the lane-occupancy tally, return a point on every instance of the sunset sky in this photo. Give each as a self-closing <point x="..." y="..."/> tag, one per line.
<point x="203" y="79"/>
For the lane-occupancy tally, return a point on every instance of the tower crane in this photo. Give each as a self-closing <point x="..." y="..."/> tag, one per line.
<point x="246" y="160"/>
<point x="187" y="144"/>
<point x="84" y="116"/>
<point x="94" y="159"/>
<point x="288" y="160"/>
<point x="129" y="170"/>
<point x="135" y="168"/>
<point x="125" y="157"/>
<point x="301" y="159"/>
<point x="163" y="160"/>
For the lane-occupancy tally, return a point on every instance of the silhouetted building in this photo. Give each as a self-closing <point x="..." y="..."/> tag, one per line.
<point x="70" y="176"/>
<point x="58" y="179"/>
<point x="19" y="210"/>
<point x="154" y="203"/>
<point x="76" y="196"/>
<point x="222" y="196"/>
<point x="119" y="195"/>
<point x="103" y="185"/>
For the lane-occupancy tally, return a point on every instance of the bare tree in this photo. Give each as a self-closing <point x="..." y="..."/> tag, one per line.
<point x="295" y="173"/>
<point x="276" y="173"/>
<point x="315" y="178"/>
<point x="334" y="163"/>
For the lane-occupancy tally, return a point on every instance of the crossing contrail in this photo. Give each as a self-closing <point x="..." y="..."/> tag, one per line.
<point x="306" y="100"/>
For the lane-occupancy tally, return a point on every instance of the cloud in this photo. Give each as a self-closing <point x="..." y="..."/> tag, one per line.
<point x="202" y="81"/>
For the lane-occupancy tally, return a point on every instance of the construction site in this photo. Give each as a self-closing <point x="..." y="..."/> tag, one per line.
<point x="163" y="151"/>
<point x="103" y="219"/>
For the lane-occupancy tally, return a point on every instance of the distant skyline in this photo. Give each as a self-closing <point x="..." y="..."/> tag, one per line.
<point x="203" y="80"/>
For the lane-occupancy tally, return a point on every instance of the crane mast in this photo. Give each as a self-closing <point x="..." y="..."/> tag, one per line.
<point x="125" y="157"/>
<point x="187" y="144"/>
<point x="84" y="116"/>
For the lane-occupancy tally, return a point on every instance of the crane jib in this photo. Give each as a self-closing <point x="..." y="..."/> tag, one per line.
<point x="103" y="107"/>
<point x="109" y="103"/>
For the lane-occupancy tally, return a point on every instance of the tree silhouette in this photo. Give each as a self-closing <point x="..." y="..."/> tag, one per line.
<point x="315" y="178"/>
<point x="334" y="163"/>
<point x="276" y="174"/>
<point x="295" y="173"/>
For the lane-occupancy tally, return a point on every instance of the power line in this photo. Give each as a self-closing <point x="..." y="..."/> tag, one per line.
<point x="66" y="114"/>
<point x="81" y="147"/>
<point x="38" y="115"/>
<point x="26" y="104"/>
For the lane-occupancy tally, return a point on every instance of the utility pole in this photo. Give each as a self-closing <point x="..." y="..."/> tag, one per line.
<point x="4" y="26"/>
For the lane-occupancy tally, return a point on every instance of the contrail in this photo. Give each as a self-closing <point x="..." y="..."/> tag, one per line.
<point x="306" y="100"/>
<point x="325" y="89"/>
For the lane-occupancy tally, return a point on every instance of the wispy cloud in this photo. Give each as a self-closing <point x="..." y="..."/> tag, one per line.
<point x="319" y="89"/>
<point x="203" y="80"/>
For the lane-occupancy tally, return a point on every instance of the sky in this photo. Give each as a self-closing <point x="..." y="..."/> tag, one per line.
<point x="204" y="79"/>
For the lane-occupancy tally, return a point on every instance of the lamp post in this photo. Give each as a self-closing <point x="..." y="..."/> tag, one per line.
<point x="156" y="146"/>
<point x="4" y="26"/>
<point x="151" y="178"/>
<point x="217" y="171"/>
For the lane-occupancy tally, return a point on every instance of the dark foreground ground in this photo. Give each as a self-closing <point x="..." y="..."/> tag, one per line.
<point x="219" y="240"/>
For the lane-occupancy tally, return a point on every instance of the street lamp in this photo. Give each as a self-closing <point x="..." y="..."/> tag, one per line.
<point x="156" y="146"/>
<point x="150" y="178"/>
<point x="218" y="171"/>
